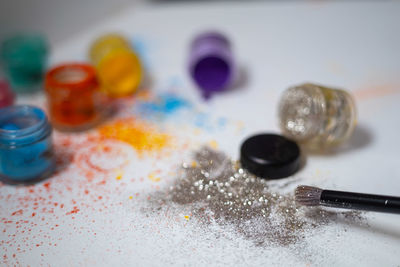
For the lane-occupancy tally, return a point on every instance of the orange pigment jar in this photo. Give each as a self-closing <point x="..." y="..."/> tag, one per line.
<point x="74" y="99"/>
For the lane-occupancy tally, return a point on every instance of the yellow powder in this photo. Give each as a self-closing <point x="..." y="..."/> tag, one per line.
<point x="153" y="177"/>
<point x="214" y="144"/>
<point x="119" y="175"/>
<point x="139" y="135"/>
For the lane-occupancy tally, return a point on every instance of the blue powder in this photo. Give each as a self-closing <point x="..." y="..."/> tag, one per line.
<point x="202" y="120"/>
<point x="222" y="122"/>
<point x="169" y="105"/>
<point x="164" y="105"/>
<point x="207" y="122"/>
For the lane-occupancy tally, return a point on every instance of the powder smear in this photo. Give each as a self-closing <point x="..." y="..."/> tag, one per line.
<point x="140" y="135"/>
<point x="162" y="105"/>
<point x="217" y="189"/>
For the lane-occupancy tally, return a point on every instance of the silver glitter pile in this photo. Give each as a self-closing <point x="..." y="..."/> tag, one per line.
<point x="217" y="189"/>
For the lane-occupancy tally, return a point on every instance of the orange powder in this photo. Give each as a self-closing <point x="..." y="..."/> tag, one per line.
<point x="376" y="91"/>
<point x="141" y="136"/>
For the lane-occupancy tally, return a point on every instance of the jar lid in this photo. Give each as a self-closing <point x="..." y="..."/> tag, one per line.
<point x="270" y="156"/>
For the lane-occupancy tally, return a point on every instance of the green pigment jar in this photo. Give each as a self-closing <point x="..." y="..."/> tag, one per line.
<point x="24" y="59"/>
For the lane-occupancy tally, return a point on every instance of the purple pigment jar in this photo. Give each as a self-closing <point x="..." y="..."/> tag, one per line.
<point x="211" y="63"/>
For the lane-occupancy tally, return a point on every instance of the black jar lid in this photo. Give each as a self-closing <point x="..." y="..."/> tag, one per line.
<point x="270" y="156"/>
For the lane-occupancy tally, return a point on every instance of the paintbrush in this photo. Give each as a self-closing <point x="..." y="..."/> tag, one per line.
<point x="314" y="196"/>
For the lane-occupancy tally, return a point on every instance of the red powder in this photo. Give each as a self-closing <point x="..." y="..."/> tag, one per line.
<point x="18" y="212"/>
<point x="47" y="185"/>
<point x="75" y="210"/>
<point x="80" y="159"/>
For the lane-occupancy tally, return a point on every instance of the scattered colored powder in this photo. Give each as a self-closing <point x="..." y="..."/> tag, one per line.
<point x="164" y="104"/>
<point x="73" y="211"/>
<point x="376" y="91"/>
<point x="222" y="122"/>
<point x="119" y="175"/>
<point x="154" y="177"/>
<point x="141" y="136"/>
<point x="94" y="158"/>
<point x="202" y="120"/>
<point x="213" y="144"/>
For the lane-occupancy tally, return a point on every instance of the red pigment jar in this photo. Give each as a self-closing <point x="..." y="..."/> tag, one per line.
<point x="74" y="99"/>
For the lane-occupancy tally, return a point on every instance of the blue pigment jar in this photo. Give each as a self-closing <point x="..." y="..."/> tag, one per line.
<point x="26" y="151"/>
<point x="24" y="59"/>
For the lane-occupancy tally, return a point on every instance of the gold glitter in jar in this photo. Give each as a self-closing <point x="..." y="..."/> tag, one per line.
<point x="317" y="116"/>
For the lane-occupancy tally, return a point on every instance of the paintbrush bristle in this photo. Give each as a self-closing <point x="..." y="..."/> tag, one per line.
<point x="308" y="195"/>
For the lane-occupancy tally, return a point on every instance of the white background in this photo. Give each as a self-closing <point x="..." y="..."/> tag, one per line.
<point x="352" y="45"/>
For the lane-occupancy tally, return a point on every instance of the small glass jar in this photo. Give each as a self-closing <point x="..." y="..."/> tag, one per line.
<point x="6" y="95"/>
<point x="211" y="63"/>
<point x="316" y="116"/>
<point x="26" y="151"/>
<point x="73" y="96"/>
<point x="118" y="68"/>
<point x="24" y="59"/>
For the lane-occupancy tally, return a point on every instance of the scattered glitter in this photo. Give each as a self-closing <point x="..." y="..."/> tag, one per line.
<point x="218" y="189"/>
<point x="141" y="136"/>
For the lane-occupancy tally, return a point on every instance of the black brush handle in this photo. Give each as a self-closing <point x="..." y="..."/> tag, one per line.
<point x="358" y="201"/>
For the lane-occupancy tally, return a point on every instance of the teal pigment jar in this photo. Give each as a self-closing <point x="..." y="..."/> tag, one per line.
<point x="24" y="59"/>
<point x="26" y="149"/>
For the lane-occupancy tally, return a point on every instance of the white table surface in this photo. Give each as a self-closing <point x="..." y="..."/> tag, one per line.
<point x="352" y="45"/>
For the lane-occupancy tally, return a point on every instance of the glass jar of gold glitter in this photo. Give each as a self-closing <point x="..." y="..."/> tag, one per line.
<point x="316" y="116"/>
<point x="118" y="67"/>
